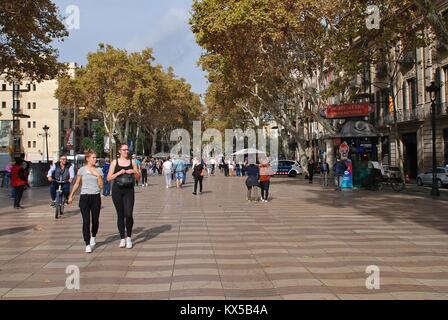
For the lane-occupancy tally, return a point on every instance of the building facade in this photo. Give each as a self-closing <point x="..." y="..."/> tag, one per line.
<point x="37" y="107"/>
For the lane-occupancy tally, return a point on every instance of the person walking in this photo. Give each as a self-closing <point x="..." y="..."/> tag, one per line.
<point x="144" y="170"/>
<point x="325" y="170"/>
<point x="124" y="172"/>
<point x="213" y="164"/>
<point x="265" y="179"/>
<point x="339" y="170"/>
<point x="179" y="171"/>
<point x="310" y="169"/>
<point x="253" y="173"/>
<point x="167" y="171"/>
<point x="91" y="180"/>
<point x="19" y="181"/>
<point x="106" y="167"/>
<point x="7" y="180"/>
<point x="198" y="175"/>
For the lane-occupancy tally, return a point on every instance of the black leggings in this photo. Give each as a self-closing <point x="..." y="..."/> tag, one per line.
<point x="144" y="176"/>
<point x="196" y="180"/>
<point x="90" y="205"/>
<point x="124" y="204"/>
<point x="264" y="185"/>
<point x="18" y="196"/>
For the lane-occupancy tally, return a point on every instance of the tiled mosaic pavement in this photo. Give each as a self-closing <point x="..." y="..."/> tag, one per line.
<point x="306" y="243"/>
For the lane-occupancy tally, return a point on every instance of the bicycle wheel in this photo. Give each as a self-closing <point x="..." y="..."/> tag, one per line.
<point x="56" y="211"/>
<point x="398" y="185"/>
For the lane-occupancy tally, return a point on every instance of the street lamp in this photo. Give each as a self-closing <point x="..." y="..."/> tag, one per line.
<point x="46" y="128"/>
<point x="433" y="89"/>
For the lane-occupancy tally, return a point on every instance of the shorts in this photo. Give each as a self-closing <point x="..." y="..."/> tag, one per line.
<point x="179" y="175"/>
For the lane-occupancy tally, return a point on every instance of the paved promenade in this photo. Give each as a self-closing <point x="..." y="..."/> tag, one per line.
<point x="306" y="243"/>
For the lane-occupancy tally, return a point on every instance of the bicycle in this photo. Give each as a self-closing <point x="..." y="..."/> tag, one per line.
<point x="377" y="181"/>
<point x="60" y="200"/>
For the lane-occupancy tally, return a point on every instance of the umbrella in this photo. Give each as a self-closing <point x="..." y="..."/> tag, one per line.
<point x="248" y="151"/>
<point x="162" y="155"/>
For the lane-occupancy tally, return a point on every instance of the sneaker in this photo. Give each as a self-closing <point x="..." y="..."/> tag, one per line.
<point x="128" y="243"/>
<point x="93" y="242"/>
<point x="52" y="204"/>
<point x="88" y="249"/>
<point x="194" y="193"/>
<point x="122" y="243"/>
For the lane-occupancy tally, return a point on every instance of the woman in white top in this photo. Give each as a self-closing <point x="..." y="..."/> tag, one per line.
<point x="167" y="171"/>
<point x="90" y="200"/>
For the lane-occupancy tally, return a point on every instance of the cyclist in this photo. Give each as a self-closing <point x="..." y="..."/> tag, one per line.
<point x="60" y="171"/>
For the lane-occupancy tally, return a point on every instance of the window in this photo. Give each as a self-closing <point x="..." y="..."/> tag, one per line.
<point x="412" y="94"/>
<point x="29" y="105"/>
<point x="34" y="144"/>
<point x="34" y="105"/>
<point x="34" y="87"/>
<point x="3" y="104"/>
<point x="29" y="124"/>
<point x="34" y="124"/>
<point x="29" y="144"/>
<point x="4" y="86"/>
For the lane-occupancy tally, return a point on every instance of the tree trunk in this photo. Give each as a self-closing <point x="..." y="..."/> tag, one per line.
<point x="126" y="129"/>
<point x="137" y="136"/>
<point x="154" y="141"/>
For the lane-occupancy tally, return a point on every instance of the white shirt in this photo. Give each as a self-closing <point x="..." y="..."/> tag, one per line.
<point x="167" y="167"/>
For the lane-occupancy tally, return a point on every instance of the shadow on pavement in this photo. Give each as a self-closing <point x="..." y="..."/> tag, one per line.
<point x="142" y="236"/>
<point x="387" y="205"/>
<point x="10" y="231"/>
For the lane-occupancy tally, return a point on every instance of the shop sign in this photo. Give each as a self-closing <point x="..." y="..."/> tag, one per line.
<point x="349" y="110"/>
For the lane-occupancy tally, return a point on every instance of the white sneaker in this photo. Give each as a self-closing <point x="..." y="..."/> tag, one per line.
<point x="88" y="249"/>
<point x="122" y="243"/>
<point x="128" y="243"/>
<point x="93" y="242"/>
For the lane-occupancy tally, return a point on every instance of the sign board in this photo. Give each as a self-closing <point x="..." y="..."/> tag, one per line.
<point x="349" y="110"/>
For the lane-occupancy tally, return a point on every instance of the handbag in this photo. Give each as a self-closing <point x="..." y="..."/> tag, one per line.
<point x="126" y="180"/>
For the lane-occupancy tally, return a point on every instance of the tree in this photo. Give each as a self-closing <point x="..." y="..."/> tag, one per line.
<point x="27" y="29"/>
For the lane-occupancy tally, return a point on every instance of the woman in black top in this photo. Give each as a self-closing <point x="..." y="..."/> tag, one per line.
<point x="198" y="175"/>
<point x="124" y="172"/>
<point x="252" y="184"/>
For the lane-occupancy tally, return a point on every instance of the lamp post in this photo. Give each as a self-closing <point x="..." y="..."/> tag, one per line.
<point x="433" y="90"/>
<point x="46" y="128"/>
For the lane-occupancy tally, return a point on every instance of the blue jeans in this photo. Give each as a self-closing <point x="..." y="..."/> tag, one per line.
<point x="6" y="180"/>
<point x="106" y="190"/>
<point x="54" y="186"/>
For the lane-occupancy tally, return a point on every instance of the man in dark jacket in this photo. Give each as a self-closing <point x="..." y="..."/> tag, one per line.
<point x="339" y="170"/>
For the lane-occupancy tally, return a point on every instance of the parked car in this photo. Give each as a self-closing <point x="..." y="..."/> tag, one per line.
<point x="291" y="168"/>
<point x="426" y="178"/>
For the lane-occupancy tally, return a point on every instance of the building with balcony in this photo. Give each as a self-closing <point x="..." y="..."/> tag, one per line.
<point x="36" y="107"/>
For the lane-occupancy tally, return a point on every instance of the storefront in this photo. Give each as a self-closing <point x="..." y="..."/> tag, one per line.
<point x="357" y="141"/>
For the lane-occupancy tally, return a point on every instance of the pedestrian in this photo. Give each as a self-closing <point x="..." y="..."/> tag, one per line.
<point x="213" y="163"/>
<point x="179" y="171"/>
<point x="265" y="179"/>
<point x="198" y="175"/>
<point x="339" y="170"/>
<point x="106" y="167"/>
<point x="252" y="184"/>
<point x="19" y="181"/>
<point x="91" y="181"/>
<point x="124" y="172"/>
<point x="325" y="170"/>
<point x="167" y="170"/>
<point x="231" y="165"/>
<point x="144" y="170"/>
<point x="139" y="166"/>
<point x="310" y="169"/>
<point x="7" y="180"/>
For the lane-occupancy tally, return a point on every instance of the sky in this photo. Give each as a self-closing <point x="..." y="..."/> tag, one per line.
<point x="135" y="25"/>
